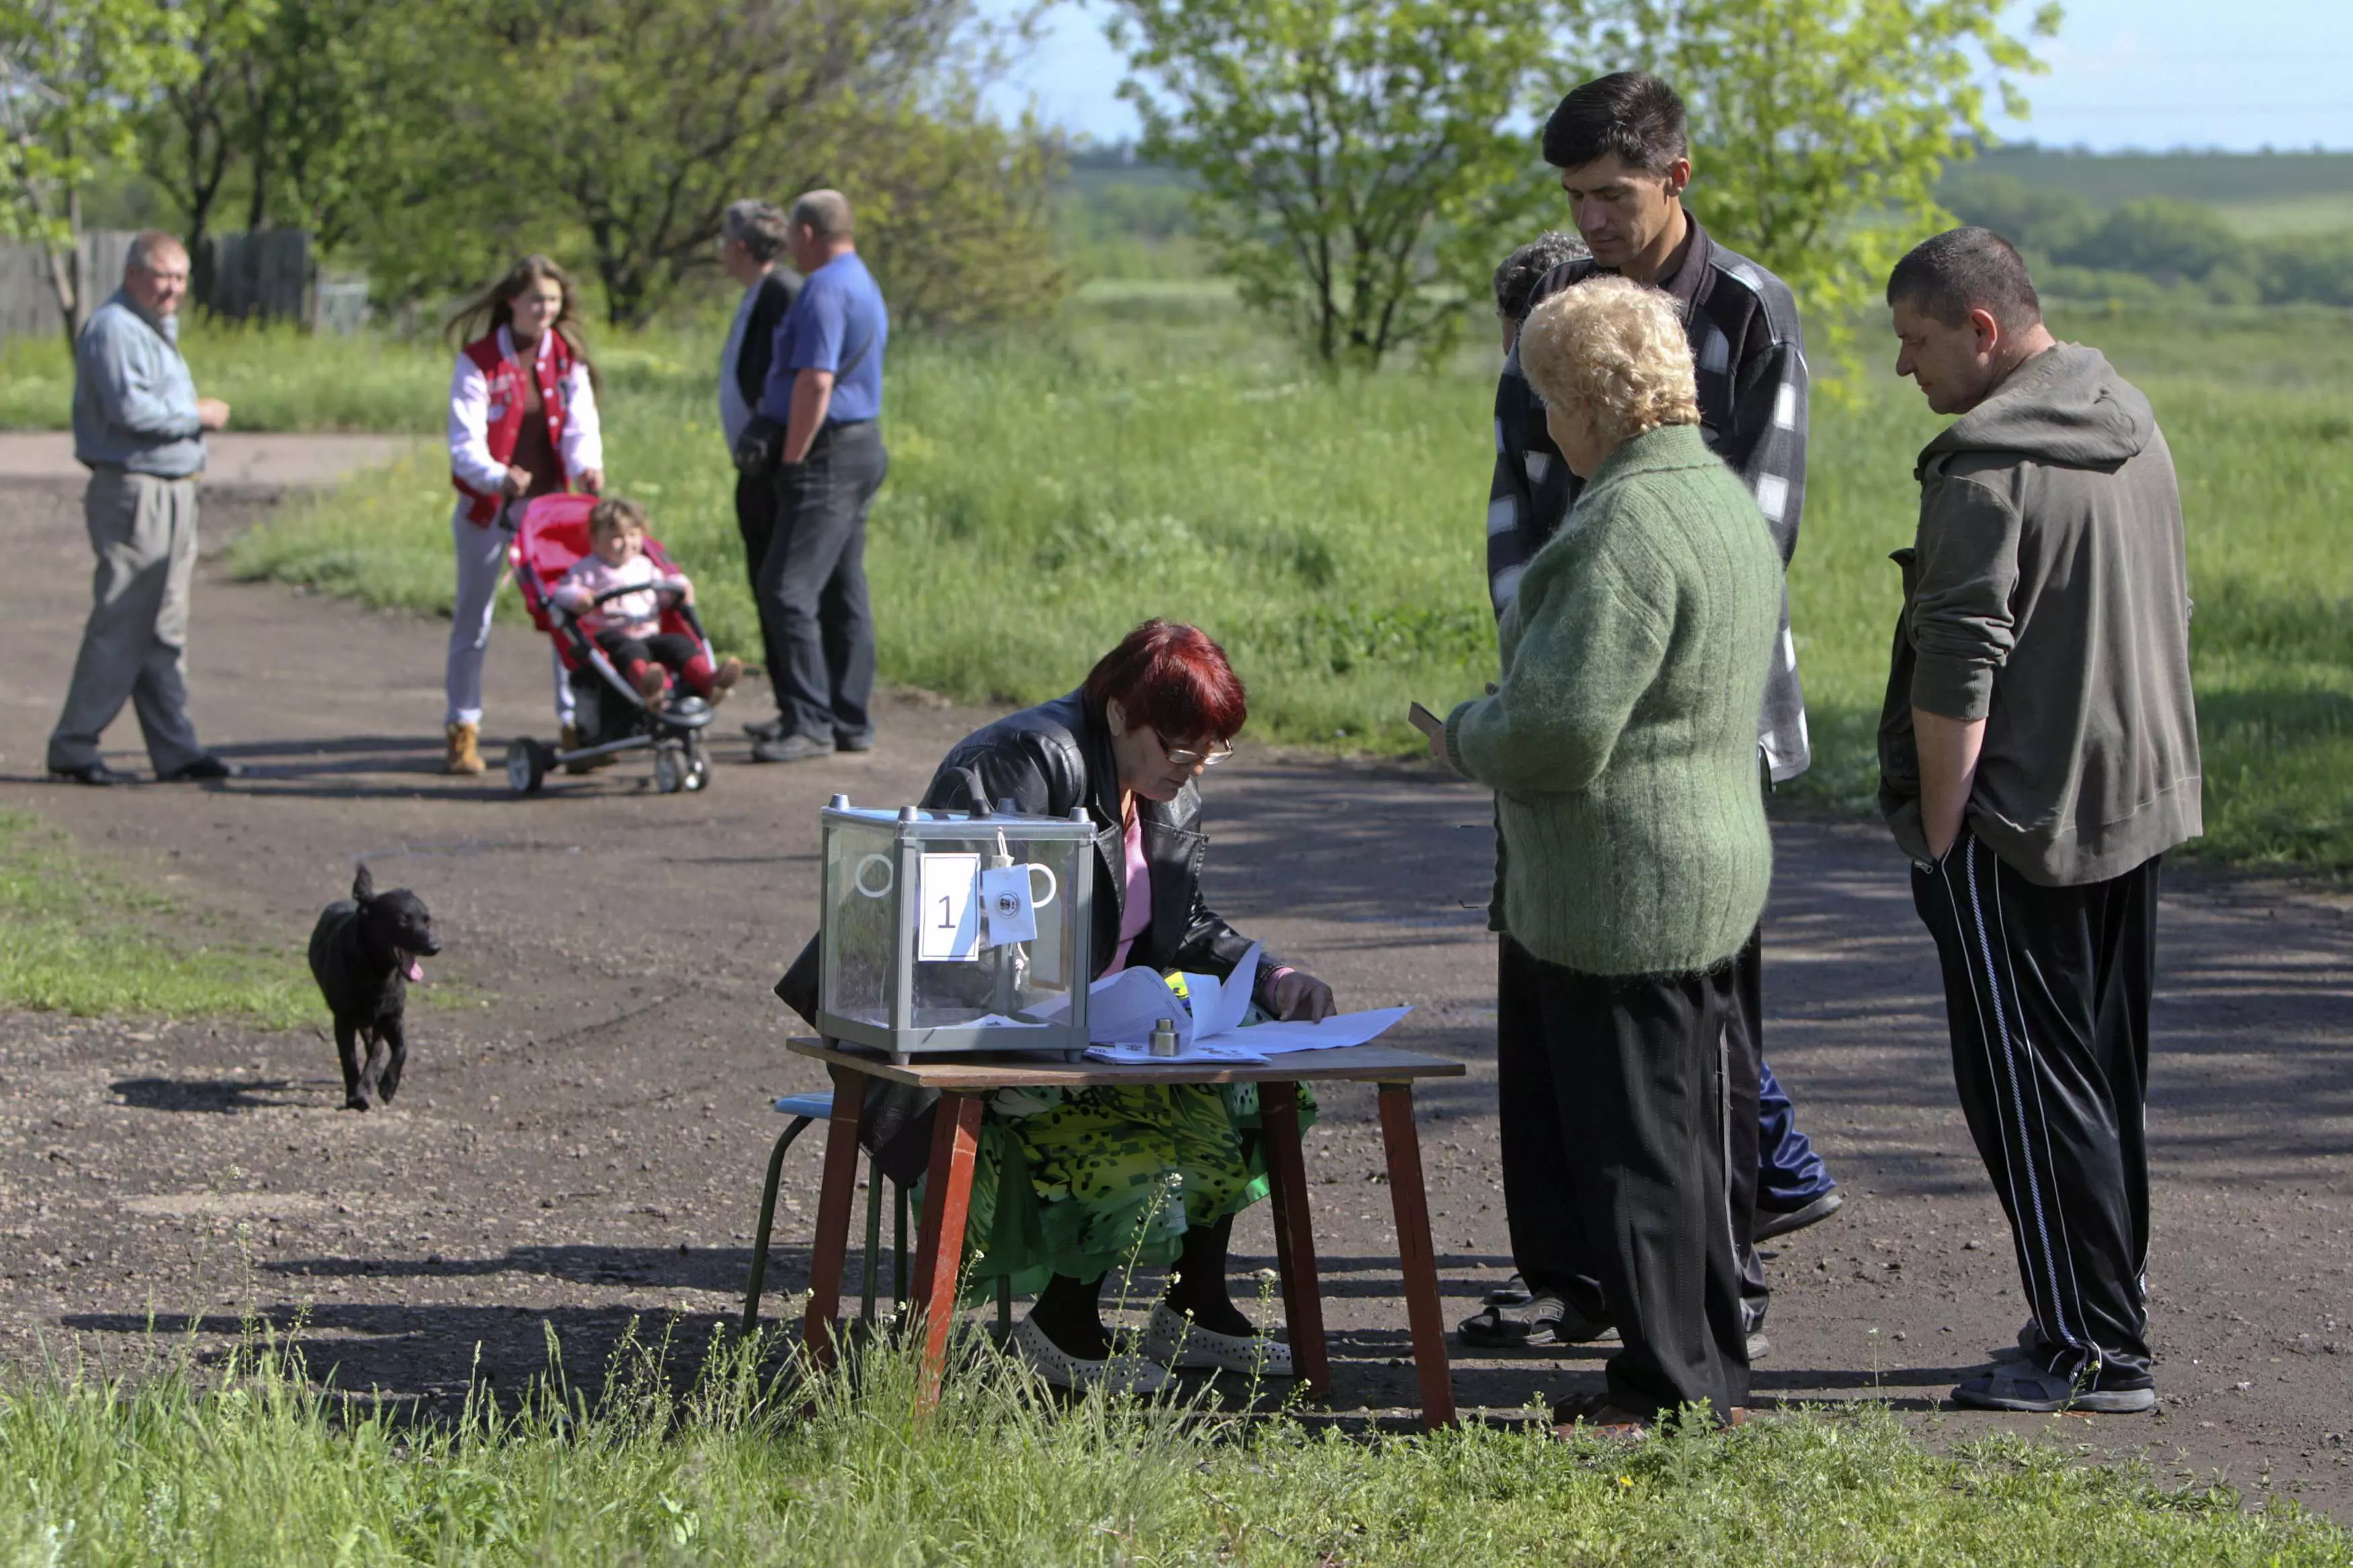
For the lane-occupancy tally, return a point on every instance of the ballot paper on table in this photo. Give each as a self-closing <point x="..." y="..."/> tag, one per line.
<point x="1123" y="1008"/>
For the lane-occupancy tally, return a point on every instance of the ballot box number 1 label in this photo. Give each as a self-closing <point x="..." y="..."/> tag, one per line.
<point x="950" y="929"/>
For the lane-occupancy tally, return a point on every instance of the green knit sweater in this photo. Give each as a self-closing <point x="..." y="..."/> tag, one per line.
<point x="1621" y="740"/>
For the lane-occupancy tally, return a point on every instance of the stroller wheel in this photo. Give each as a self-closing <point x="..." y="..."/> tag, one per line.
<point x="526" y="767"/>
<point x="670" y="770"/>
<point x="698" y="762"/>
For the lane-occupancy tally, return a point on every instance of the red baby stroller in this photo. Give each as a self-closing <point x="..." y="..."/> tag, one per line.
<point x="610" y="715"/>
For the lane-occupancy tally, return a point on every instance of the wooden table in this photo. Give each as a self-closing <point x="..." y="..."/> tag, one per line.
<point x="965" y="1084"/>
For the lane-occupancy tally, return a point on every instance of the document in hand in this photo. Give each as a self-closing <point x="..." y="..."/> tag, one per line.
<point x="1123" y="1008"/>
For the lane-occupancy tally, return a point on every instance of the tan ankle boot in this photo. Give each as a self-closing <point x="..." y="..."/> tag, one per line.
<point x="465" y="750"/>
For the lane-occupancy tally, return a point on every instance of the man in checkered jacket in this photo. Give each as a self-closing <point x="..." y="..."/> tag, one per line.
<point x="1621" y="145"/>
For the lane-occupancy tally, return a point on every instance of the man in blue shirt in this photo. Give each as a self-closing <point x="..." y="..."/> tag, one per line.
<point x="819" y="412"/>
<point x="139" y="429"/>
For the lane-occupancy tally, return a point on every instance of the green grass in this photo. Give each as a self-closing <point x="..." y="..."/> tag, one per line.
<point x="279" y="379"/>
<point x="2219" y="179"/>
<point x="74" y="939"/>
<point x="1162" y="454"/>
<point x="251" y="1466"/>
<point x="2280" y="216"/>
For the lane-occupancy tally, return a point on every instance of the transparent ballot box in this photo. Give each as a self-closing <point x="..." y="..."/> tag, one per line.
<point x="951" y="931"/>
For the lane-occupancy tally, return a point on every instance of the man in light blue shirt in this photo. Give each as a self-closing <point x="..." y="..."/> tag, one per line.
<point x="138" y="428"/>
<point x="820" y="410"/>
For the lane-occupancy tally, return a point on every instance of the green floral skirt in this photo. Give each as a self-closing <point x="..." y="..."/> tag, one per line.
<point x="1081" y="1182"/>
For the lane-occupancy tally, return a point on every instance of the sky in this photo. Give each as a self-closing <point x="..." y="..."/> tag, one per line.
<point x="2150" y="74"/>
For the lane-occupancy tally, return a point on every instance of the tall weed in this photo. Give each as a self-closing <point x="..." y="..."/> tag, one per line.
<point x="738" y="1460"/>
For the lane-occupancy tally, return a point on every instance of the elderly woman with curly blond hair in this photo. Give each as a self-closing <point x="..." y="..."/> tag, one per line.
<point x="1621" y="741"/>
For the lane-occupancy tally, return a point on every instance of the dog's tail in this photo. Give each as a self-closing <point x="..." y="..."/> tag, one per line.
<point x="362" y="885"/>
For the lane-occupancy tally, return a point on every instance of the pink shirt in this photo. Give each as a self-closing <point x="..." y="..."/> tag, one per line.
<point x="1135" y="915"/>
<point x="631" y="614"/>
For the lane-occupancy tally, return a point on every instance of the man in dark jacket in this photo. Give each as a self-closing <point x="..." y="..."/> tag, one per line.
<point x="2039" y="755"/>
<point x="753" y="237"/>
<point x="1622" y="148"/>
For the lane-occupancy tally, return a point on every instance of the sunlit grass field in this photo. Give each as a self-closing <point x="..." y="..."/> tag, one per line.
<point x="1163" y="454"/>
<point x="76" y="939"/>
<point x="251" y="1466"/>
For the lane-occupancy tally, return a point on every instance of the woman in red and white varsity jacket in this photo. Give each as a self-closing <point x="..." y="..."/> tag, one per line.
<point x="523" y="423"/>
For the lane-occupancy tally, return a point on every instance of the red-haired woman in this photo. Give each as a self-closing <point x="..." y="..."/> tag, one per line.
<point x="1155" y="1174"/>
<point x="523" y="423"/>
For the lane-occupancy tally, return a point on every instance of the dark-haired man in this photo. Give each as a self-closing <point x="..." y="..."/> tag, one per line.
<point x="1518" y="274"/>
<point x="2038" y="755"/>
<point x="1622" y="148"/>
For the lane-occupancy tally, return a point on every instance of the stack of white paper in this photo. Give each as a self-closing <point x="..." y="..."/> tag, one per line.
<point x="1123" y="1008"/>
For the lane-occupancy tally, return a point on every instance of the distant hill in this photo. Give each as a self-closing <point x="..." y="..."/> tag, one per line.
<point x="2259" y="193"/>
<point x="2220" y="179"/>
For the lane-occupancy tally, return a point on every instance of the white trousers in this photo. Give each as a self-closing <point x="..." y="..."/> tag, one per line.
<point x="482" y="567"/>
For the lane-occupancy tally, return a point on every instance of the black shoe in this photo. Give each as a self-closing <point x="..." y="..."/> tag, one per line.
<point x="97" y="774"/>
<point x="791" y="748"/>
<point x="862" y="742"/>
<point x="766" y="728"/>
<point x="1511" y="1292"/>
<point x="202" y="769"/>
<point x="1544" y="1320"/>
<point x="1771" y="1223"/>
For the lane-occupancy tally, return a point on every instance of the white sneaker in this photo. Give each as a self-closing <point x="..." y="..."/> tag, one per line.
<point x="1172" y="1339"/>
<point x="1119" y="1374"/>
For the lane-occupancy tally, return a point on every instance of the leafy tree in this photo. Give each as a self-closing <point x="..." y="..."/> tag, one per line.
<point x="202" y="121"/>
<point x="1354" y="174"/>
<point x="953" y="213"/>
<point x="2032" y="218"/>
<point x="2308" y="267"/>
<point x="632" y="124"/>
<point x="2159" y="237"/>
<point x="285" y="106"/>
<point x="74" y="76"/>
<point x="1819" y="127"/>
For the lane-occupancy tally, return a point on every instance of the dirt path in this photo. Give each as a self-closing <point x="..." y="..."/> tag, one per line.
<point x="585" y="1123"/>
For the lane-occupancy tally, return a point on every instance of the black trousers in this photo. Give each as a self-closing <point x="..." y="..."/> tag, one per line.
<point x="1643" y="1063"/>
<point x="1549" y="1239"/>
<point x="2046" y="991"/>
<point x="756" y="520"/>
<point x="811" y="585"/>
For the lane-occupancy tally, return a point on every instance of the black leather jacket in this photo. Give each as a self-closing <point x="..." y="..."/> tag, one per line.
<point x="1051" y="759"/>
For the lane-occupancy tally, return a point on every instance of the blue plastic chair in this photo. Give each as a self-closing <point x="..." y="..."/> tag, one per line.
<point x="805" y="1108"/>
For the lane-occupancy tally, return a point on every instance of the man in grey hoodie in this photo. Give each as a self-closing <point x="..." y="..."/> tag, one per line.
<point x="2038" y="755"/>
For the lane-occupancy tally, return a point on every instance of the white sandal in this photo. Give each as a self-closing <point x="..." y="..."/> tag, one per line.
<point x="1174" y="1340"/>
<point x="1058" y="1367"/>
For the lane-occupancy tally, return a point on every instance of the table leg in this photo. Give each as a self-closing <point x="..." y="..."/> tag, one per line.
<point x="1415" y="1254"/>
<point x="1295" y="1238"/>
<point x="939" y="1246"/>
<point x="832" y="1244"/>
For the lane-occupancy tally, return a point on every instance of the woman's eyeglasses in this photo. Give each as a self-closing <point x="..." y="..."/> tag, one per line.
<point x="1183" y="758"/>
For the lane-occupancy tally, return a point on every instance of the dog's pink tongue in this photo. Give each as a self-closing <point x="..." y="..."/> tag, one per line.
<point x="416" y="970"/>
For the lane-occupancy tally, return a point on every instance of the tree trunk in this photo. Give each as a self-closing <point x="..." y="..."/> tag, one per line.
<point x="66" y="273"/>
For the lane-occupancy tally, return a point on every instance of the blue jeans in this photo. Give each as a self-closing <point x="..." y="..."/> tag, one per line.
<point x="1789" y="1175"/>
<point x="812" y="586"/>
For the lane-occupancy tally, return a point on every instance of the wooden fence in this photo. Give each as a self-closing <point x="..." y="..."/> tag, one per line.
<point x="269" y="275"/>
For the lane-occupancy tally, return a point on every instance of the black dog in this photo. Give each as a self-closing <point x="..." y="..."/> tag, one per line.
<point x="364" y="953"/>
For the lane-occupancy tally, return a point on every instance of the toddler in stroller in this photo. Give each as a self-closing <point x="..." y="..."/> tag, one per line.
<point x="615" y="592"/>
<point x="622" y="617"/>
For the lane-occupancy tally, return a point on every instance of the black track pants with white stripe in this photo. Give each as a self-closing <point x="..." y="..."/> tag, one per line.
<point x="2047" y="992"/>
